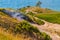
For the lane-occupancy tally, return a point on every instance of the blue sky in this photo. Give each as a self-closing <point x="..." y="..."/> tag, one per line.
<point x="51" y="4"/>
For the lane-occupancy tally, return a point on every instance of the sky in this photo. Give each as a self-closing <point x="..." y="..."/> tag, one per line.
<point x="15" y="4"/>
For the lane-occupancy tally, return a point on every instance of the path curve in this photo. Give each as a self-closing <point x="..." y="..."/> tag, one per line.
<point x="49" y="28"/>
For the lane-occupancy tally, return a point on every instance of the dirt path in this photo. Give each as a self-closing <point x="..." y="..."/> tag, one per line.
<point x="51" y="29"/>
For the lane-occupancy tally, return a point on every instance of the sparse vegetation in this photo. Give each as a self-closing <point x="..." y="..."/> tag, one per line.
<point x="34" y="19"/>
<point x="25" y="26"/>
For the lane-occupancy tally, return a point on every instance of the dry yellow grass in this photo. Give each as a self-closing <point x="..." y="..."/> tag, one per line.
<point x="9" y="36"/>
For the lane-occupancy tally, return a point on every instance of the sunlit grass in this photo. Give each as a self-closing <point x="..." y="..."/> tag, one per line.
<point x="53" y="17"/>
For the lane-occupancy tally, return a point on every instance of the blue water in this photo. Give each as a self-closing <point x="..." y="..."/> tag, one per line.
<point x="51" y="4"/>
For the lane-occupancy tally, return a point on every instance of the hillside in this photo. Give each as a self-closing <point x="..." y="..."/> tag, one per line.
<point x="49" y="17"/>
<point x="13" y="29"/>
<point x="30" y="23"/>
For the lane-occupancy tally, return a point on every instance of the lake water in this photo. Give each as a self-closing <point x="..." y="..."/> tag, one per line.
<point x="51" y="4"/>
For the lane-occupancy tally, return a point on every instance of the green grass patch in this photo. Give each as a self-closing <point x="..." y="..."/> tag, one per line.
<point x="53" y="18"/>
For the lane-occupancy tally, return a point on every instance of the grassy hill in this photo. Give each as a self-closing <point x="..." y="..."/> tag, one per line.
<point x="12" y="29"/>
